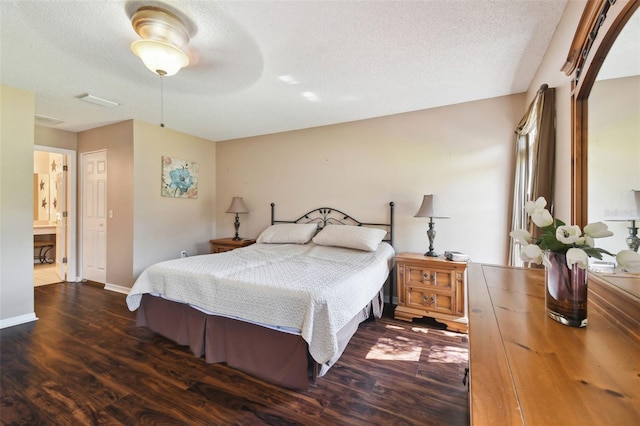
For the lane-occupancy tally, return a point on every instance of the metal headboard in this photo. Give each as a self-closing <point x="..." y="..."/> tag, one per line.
<point x="324" y="216"/>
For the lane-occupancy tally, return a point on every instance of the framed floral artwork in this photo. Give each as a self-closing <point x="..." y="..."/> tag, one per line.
<point x="179" y="178"/>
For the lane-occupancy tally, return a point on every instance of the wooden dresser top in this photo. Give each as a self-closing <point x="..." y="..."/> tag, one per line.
<point x="526" y="368"/>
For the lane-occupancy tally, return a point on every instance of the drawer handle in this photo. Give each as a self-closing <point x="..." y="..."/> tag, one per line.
<point x="428" y="299"/>
<point x="427" y="277"/>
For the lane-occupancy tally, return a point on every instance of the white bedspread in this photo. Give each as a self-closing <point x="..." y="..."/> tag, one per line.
<point x="311" y="288"/>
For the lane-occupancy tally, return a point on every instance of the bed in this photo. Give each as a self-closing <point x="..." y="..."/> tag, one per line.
<point x="283" y="309"/>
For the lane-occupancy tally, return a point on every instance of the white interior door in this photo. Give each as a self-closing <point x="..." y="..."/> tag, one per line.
<point x="61" y="221"/>
<point x="94" y="217"/>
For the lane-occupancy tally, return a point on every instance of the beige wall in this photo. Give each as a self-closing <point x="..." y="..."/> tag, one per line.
<point x="16" y="201"/>
<point x="462" y="153"/>
<point x="117" y="140"/>
<point x="55" y="138"/>
<point x="164" y="226"/>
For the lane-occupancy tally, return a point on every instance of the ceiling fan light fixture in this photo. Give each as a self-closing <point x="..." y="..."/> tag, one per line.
<point x="159" y="57"/>
<point x="163" y="34"/>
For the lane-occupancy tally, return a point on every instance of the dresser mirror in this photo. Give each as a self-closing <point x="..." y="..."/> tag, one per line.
<point x="613" y="166"/>
<point x="605" y="135"/>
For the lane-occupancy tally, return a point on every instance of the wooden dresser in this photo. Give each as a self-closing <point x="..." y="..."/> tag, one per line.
<point x="526" y="368"/>
<point x="227" y="244"/>
<point x="431" y="287"/>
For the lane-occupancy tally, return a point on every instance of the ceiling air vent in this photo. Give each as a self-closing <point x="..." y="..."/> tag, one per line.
<point x="47" y="121"/>
<point x="98" y="101"/>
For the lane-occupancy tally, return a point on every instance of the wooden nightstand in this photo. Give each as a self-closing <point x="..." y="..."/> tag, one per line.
<point x="228" y="244"/>
<point x="432" y="287"/>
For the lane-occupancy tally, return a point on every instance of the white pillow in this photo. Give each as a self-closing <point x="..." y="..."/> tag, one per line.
<point x="288" y="233"/>
<point x="349" y="236"/>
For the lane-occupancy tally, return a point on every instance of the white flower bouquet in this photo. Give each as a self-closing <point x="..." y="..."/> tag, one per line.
<point x="576" y="244"/>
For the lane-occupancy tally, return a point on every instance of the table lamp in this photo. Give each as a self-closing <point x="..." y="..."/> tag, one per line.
<point x="427" y="210"/>
<point x="237" y="206"/>
<point x="628" y="210"/>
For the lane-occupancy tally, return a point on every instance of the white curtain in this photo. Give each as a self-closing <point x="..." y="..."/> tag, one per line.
<point x="534" y="163"/>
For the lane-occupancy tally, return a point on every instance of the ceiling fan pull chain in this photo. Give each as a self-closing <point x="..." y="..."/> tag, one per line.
<point x="161" y="100"/>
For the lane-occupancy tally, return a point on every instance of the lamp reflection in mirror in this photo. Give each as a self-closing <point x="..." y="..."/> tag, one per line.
<point x="237" y="206"/>
<point x="628" y="210"/>
<point x="427" y="210"/>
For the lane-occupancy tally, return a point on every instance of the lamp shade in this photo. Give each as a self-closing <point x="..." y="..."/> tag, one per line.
<point x="427" y="208"/>
<point x="628" y="207"/>
<point x="237" y="206"/>
<point x="160" y="57"/>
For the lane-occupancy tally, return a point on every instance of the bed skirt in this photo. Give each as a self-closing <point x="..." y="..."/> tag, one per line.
<point x="274" y="356"/>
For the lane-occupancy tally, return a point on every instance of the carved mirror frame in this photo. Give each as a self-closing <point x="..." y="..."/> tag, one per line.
<point x="599" y="26"/>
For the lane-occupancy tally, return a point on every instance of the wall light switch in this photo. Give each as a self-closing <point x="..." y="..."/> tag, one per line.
<point x="110" y="214"/>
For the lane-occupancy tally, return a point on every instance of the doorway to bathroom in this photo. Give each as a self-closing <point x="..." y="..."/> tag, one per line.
<point x="54" y="215"/>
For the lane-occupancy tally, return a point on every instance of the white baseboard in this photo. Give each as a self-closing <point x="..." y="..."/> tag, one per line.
<point x="20" y="319"/>
<point x="117" y="288"/>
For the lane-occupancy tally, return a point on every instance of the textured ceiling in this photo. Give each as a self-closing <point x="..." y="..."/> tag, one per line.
<point x="261" y="67"/>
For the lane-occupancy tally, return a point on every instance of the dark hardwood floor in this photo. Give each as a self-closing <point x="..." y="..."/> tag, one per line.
<point x="85" y="362"/>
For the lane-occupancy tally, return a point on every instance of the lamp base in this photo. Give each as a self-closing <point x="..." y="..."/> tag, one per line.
<point x="431" y="234"/>
<point x="633" y="241"/>
<point x="236" y="224"/>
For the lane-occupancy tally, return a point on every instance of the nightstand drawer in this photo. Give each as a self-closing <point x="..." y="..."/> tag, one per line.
<point x="221" y="249"/>
<point x="429" y="300"/>
<point x="419" y="275"/>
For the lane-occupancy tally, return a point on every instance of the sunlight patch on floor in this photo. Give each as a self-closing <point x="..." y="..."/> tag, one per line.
<point x="448" y="354"/>
<point x="394" y="327"/>
<point x="451" y="333"/>
<point x="398" y="349"/>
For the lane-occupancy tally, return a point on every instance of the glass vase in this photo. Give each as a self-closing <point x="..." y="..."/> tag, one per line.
<point x="566" y="291"/>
